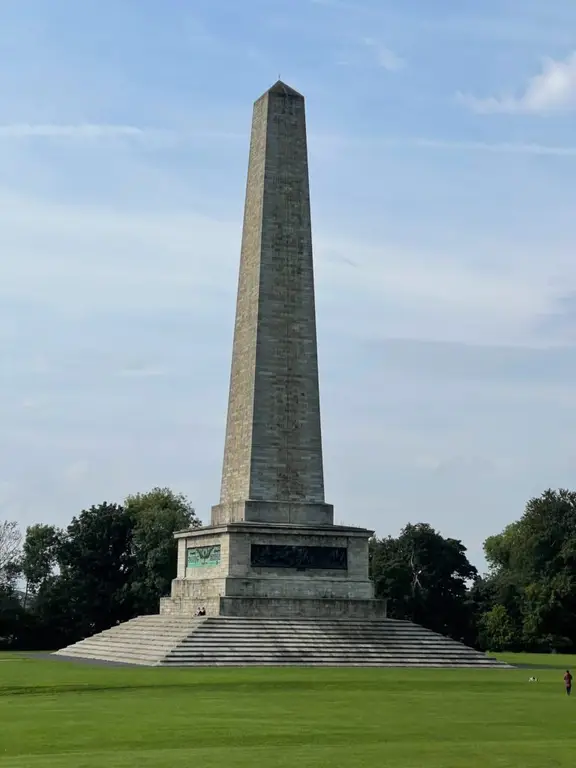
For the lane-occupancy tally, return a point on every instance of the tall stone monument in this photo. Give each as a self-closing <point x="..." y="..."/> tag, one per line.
<point x="281" y="584"/>
<point x="272" y="548"/>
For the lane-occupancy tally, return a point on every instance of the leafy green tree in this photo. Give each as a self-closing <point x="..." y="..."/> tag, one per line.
<point x="12" y="616"/>
<point x="110" y="564"/>
<point x="155" y="517"/>
<point x="533" y="572"/>
<point x="497" y="630"/>
<point x="95" y="563"/>
<point x="40" y="555"/>
<point x="425" y="578"/>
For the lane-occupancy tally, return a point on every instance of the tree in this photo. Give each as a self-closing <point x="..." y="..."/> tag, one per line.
<point x="11" y="610"/>
<point x="155" y="517"/>
<point x="497" y="630"/>
<point x="10" y="547"/>
<point x="95" y="562"/>
<point x="425" y="576"/>
<point x="110" y="564"/>
<point x="40" y="555"/>
<point x="533" y="572"/>
<point x="12" y="616"/>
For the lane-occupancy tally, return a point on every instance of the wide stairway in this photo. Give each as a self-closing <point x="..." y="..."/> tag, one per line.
<point x="238" y="642"/>
<point x="145" y="640"/>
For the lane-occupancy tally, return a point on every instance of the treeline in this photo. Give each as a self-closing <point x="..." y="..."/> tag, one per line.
<point x="112" y="563"/>
<point x="115" y="561"/>
<point x="526" y="602"/>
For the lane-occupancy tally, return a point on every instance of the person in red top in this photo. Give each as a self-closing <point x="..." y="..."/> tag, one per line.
<point x="568" y="682"/>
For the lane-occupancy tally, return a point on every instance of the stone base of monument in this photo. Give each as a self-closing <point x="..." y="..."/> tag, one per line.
<point x="251" y="569"/>
<point x="280" y="607"/>
<point x="280" y="583"/>
<point x="164" y="640"/>
<point x="274" y="595"/>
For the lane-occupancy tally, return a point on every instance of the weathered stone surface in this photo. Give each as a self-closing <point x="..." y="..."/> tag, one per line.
<point x="236" y="575"/>
<point x="311" y="608"/>
<point x="252" y="511"/>
<point x="273" y="450"/>
<point x="279" y="641"/>
<point x="292" y="605"/>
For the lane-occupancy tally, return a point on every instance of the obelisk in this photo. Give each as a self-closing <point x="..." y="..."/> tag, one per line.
<point x="273" y="448"/>
<point x="272" y="548"/>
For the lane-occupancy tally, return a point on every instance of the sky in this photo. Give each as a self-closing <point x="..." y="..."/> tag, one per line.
<point x="442" y="163"/>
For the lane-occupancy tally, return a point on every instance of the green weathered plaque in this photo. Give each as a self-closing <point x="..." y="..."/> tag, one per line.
<point x="200" y="556"/>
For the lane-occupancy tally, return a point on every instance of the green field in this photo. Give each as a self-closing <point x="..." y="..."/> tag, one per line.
<point x="66" y="715"/>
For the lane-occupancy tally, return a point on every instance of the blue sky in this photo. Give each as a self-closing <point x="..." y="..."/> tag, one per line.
<point x="442" y="159"/>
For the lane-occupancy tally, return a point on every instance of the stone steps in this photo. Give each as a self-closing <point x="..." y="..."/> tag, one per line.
<point x="235" y="642"/>
<point x="266" y="656"/>
<point x="144" y="640"/>
<point x="200" y="650"/>
<point x="333" y="662"/>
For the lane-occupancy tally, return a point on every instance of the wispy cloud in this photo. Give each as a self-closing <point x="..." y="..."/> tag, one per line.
<point x="553" y="90"/>
<point x="506" y="148"/>
<point x="119" y="270"/>
<point x="93" y="132"/>
<point x="385" y="57"/>
<point x="81" y="131"/>
<point x="335" y="143"/>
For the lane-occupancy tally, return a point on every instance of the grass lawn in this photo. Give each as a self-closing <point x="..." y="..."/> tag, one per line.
<point x="66" y="715"/>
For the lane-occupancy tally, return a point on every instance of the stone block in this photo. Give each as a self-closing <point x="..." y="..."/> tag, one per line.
<point x="281" y="512"/>
<point x="322" y="608"/>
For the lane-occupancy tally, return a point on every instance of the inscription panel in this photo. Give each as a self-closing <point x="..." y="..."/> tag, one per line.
<point x="197" y="557"/>
<point x="301" y="558"/>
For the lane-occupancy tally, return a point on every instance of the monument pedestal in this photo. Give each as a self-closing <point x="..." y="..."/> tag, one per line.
<point x="274" y="569"/>
<point x="271" y="608"/>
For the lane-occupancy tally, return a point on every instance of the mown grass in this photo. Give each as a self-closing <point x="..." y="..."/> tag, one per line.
<point x="65" y="715"/>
